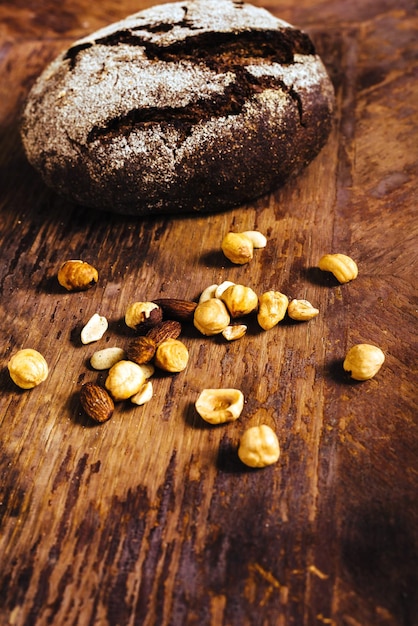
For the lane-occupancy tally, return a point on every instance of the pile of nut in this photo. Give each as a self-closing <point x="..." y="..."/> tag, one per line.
<point x="158" y="325"/>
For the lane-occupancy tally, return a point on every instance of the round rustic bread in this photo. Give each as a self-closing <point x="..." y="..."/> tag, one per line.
<point x="187" y="106"/>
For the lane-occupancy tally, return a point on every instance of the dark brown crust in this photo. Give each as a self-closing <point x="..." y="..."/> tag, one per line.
<point x="251" y="106"/>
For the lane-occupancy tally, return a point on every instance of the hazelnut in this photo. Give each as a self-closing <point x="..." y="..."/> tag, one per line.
<point x="124" y="380"/>
<point x="142" y="316"/>
<point x="208" y="293"/>
<point x="76" y="275"/>
<point x="237" y="248"/>
<point x="235" y="331"/>
<point x="28" y="368"/>
<point x="272" y="307"/>
<point x="223" y="287"/>
<point x="218" y="406"/>
<point x="239" y="300"/>
<point x="211" y="317"/>
<point x="342" y="266"/>
<point x="172" y="356"/>
<point x="144" y="395"/>
<point x="301" y="310"/>
<point x="363" y="361"/>
<point x="259" y="446"/>
<point x="148" y="370"/>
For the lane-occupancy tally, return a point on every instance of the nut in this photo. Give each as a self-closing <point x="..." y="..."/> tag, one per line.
<point x="142" y="316"/>
<point x="272" y="307"/>
<point x="222" y="287"/>
<point x="96" y="402"/>
<point x="148" y="370"/>
<point x="238" y="248"/>
<point x="104" y="359"/>
<point x="343" y="267"/>
<point x="144" y="395"/>
<point x="141" y="350"/>
<point x="301" y="310"/>
<point x="76" y="275"/>
<point x="208" y="293"/>
<point x="211" y="317"/>
<point x="363" y="361"/>
<point x="124" y="380"/>
<point x="27" y="368"/>
<point x="259" y="446"/>
<point x="175" y="309"/>
<point x="239" y="300"/>
<point x="258" y="239"/>
<point x="172" y="356"/>
<point x="94" y="329"/>
<point x="168" y="329"/>
<point x="235" y="331"/>
<point x="218" y="406"/>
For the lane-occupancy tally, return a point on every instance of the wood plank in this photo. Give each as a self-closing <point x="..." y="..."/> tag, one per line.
<point x="150" y="518"/>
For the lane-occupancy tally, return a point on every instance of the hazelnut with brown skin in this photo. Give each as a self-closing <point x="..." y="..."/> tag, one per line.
<point x="238" y="248"/>
<point x="76" y="275"/>
<point x="141" y="316"/>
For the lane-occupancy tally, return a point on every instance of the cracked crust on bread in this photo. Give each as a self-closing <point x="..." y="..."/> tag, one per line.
<point x="188" y="106"/>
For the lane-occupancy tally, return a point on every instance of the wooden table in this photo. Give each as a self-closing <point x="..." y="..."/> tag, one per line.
<point x="150" y="519"/>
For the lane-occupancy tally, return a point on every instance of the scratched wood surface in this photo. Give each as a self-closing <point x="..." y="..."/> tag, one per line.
<point x="150" y="519"/>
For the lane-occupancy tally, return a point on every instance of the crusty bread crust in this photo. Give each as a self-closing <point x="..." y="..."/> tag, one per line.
<point x="188" y="106"/>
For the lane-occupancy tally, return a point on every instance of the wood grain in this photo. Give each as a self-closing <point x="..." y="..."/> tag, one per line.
<point x="150" y="519"/>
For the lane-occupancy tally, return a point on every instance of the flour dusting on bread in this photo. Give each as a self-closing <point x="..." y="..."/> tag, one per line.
<point x="188" y="106"/>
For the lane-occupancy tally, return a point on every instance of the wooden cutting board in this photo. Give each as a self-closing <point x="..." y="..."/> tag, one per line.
<point x="150" y="519"/>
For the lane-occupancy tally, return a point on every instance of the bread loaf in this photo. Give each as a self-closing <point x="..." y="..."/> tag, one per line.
<point x="188" y="106"/>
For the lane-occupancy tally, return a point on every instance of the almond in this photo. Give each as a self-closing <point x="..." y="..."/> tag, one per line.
<point x="96" y="402"/>
<point x="169" y="329"/>
<point x="141" y="350"/>
<point x="175" y="309"/>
